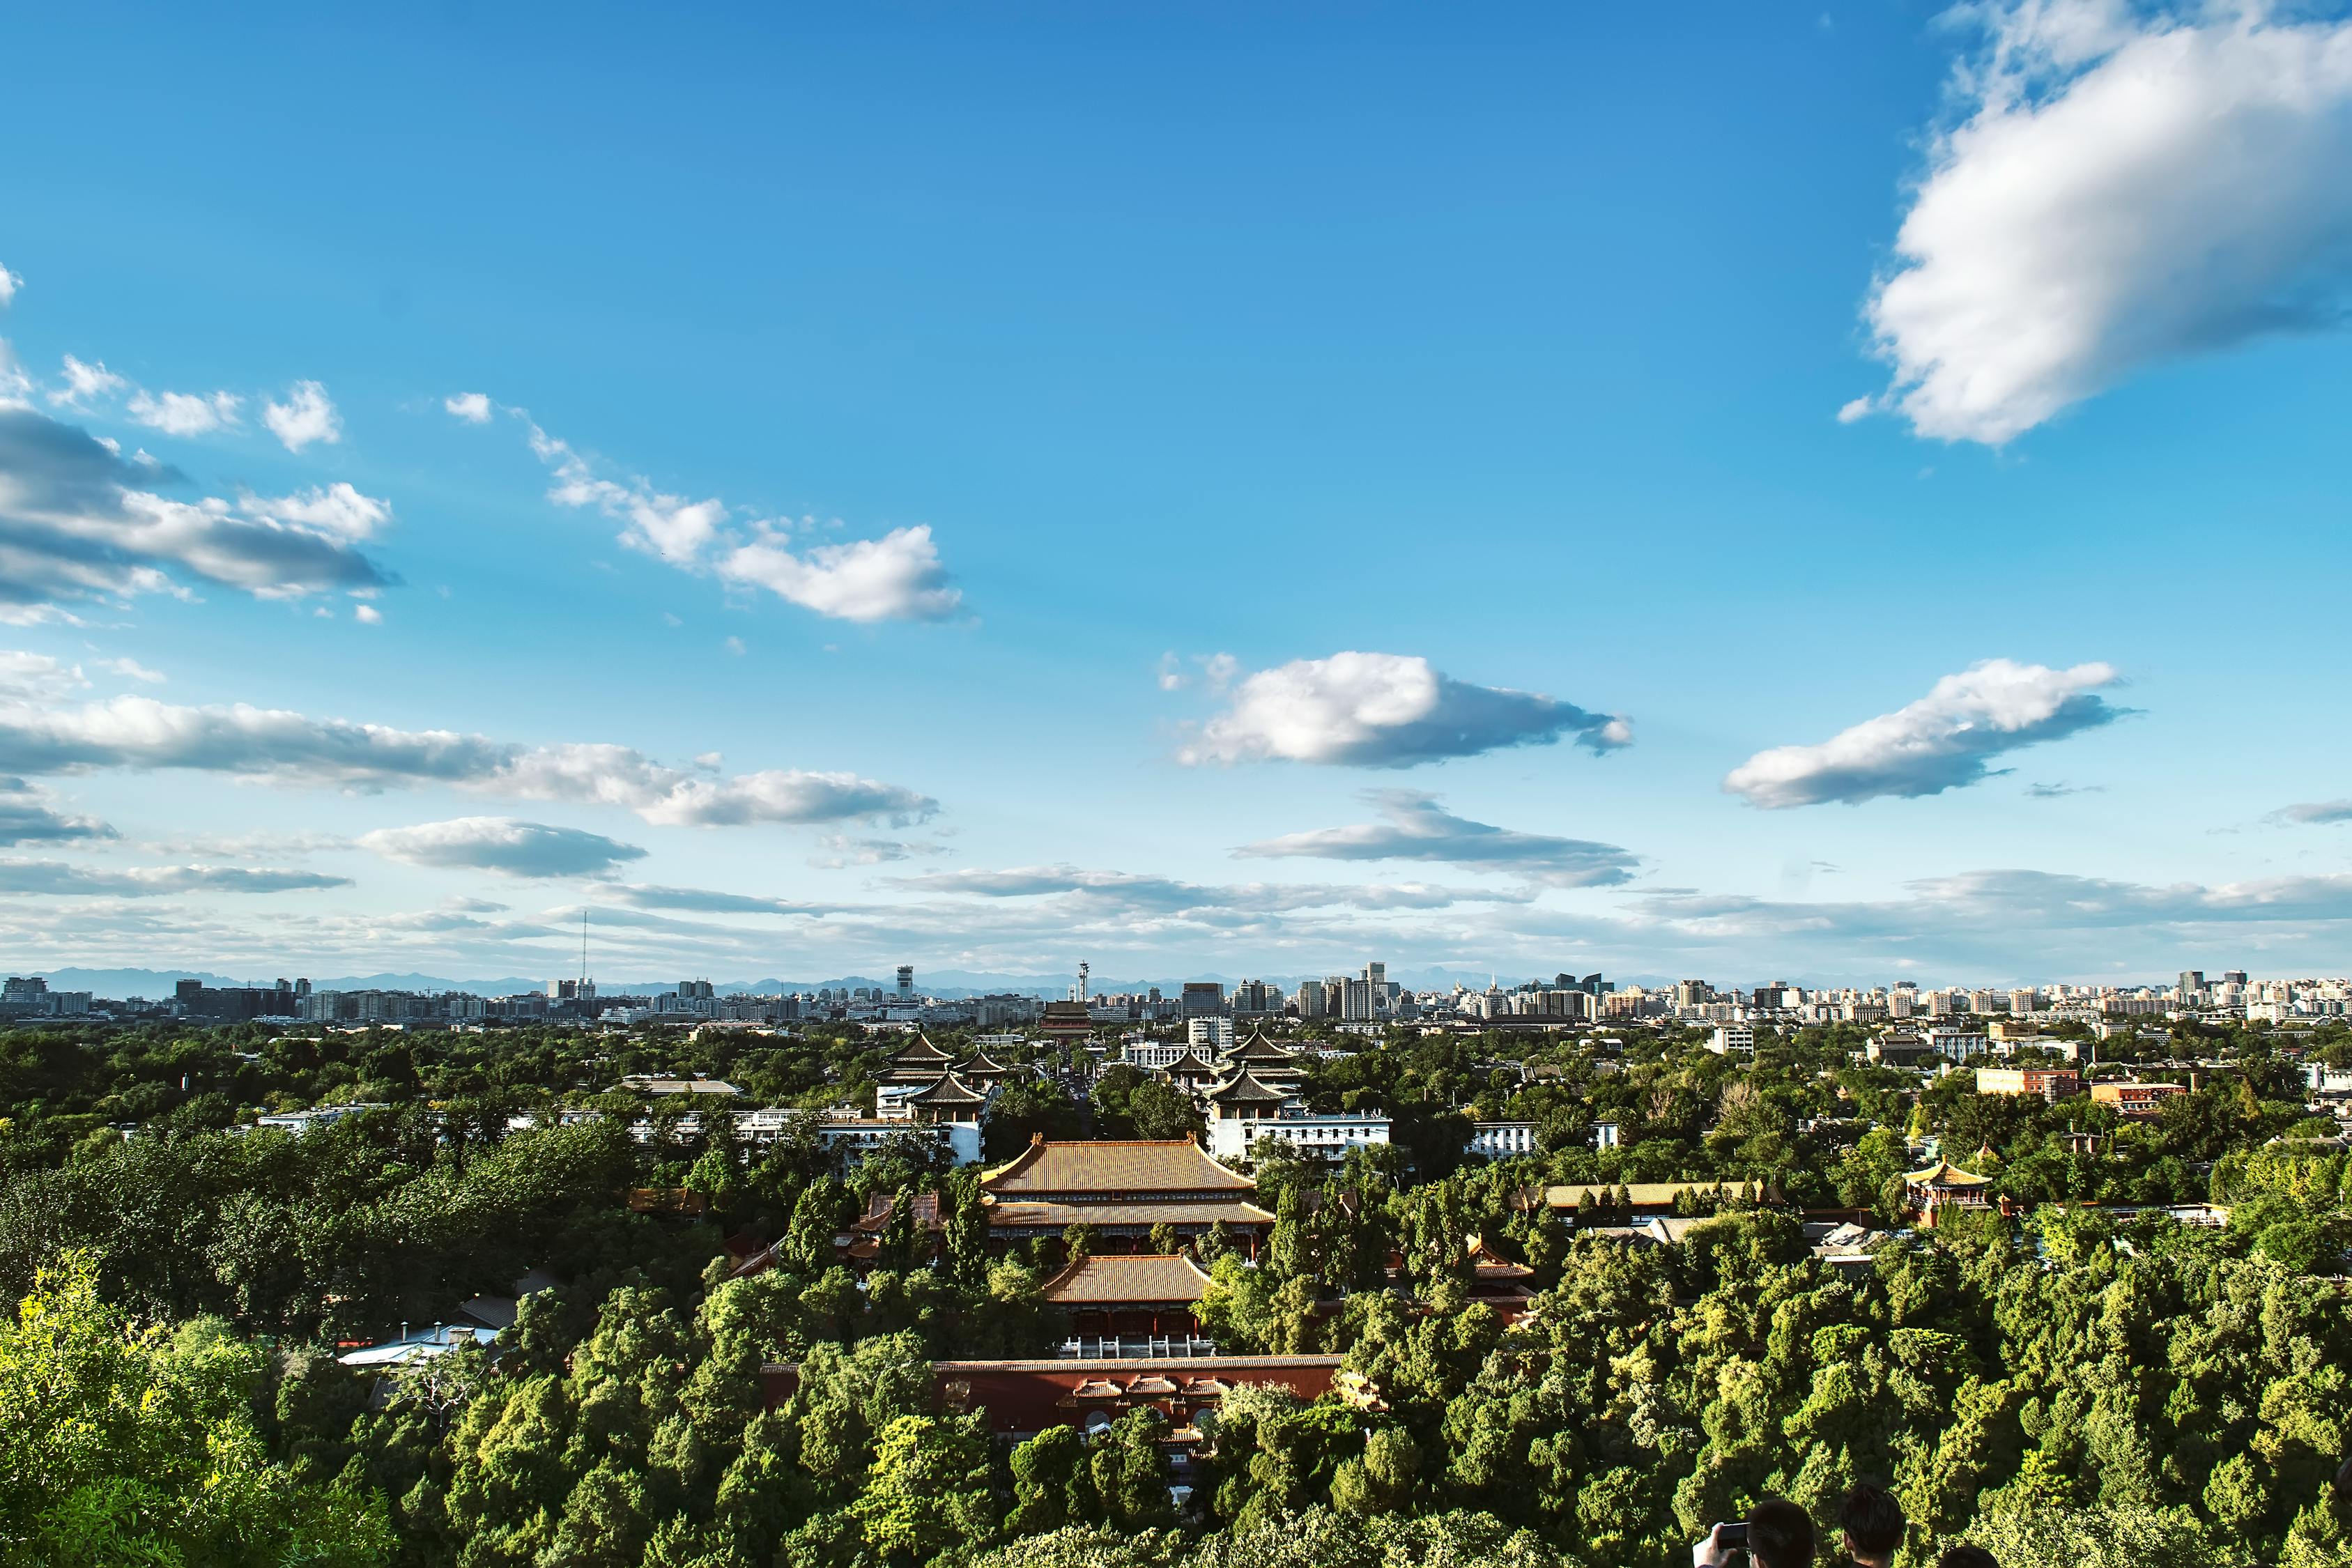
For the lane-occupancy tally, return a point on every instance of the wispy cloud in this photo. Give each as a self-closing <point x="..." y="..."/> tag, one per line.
<point x="1414" y="826"/>
<point x="1384" y="711"/>
<point x="2314" y="812"/>
<point x="42" y="736"/>
<point x="2128" y="186"/>
<point x="58" y="878"/>
<point x="28" y="817"/>
<point x="896" y="577"/>
<point x="185" y="413"/>
<point x="1944" y="741"/>
<point x="504" y="845"/>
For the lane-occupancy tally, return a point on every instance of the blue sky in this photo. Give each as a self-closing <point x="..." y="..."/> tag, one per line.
<point x="1838" y="493"/>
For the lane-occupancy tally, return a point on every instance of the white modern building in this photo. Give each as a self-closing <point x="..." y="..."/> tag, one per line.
<point x="1503" y="1140"/>
<point x="1230" y="1137"/>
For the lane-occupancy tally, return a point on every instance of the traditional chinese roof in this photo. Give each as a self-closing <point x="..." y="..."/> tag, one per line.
<point x="1246" y="1089"/>
<point x="1645" y="1195"/>
<point x="1258" y="1049"/>
<point x="982" y="1066"/>
<point x="1057" y="1217"/>
<point x="1091" y="1168"/>
<point x="1944" y="1174"/>
<point x="879" y="1206"/>
<point x="948" y="1090"/>
<point x="1115" y="1280"/>
<point x="1189" y="1065"/>
<point x="920" y="1053"/>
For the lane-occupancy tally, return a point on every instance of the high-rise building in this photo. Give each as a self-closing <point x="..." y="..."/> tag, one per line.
<point x="1376" y="975"/>
<point x="1313" y="999"/>
<point x="906" y="983"/>
<point x="2192" y="981"/>
<point x="1357" y="1001"/>
<point x="1202" y="999"/>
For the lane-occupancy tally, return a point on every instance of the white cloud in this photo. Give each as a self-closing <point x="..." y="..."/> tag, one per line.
<point x="185" y="413"/>
<point x="838" y="851"/>
<point x="10" y="283"/>
<point x="367" y="614"/>
<point x="1384" y="710"/>
<point x="898" y="577"/>
<point x="78" y="519"/>
<point x="1941" y="741"/>
<point x="504" y="845"/>
<point x="473" y="408"/>
<point x="58" y="878"/>
<point x="306" y="416"/>
<point x="338" y="510"/>
<point x="1414" y="826"/>
<point x="2127" y="188"/>
<point x="132" y="670"/>
<point x="40" y="735"/>
<point x="27" y="816"/>
<point x="84" y="382"/>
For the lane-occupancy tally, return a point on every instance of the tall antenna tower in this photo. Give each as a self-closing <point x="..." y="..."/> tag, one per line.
<point x="585" y="984"/>
<point x="1082" y="980"/>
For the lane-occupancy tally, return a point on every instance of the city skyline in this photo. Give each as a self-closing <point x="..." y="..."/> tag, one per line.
<point x="1204" y="495"/>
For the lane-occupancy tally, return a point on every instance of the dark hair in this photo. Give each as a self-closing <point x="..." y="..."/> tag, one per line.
<point x="1779" y="1535"/>
<point x="1968" y="1557"/>
<point x="1873" y="1521"/>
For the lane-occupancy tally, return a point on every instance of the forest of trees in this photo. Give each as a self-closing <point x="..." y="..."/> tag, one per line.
<point x="2064" y="1386"/>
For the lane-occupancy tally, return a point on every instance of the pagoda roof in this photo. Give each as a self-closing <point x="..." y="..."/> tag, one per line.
<point x="1142" y="1165"/>
<point x="1258" y="1049"/>
<point x="982" y="1066"/>
<point x="921" y="1053"/>
<point x="948" y="1090"/>
<point x="1189" y="1065"/>
<point x="1944" y="1174"/>
<point x="1111" y="1279"/>
<point x="1244" y="1088"/>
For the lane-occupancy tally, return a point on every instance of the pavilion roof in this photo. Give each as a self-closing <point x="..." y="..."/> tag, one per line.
<point x="1944" y="1174"/>
<point x="1112" y="1280"/>
<point x="1141" y="1165"/>
<point x="1258" y="1049"/>
<point x="1245" y="1088"/>
<point x="948" y="1090"/>
<point x="920" y="1053"/>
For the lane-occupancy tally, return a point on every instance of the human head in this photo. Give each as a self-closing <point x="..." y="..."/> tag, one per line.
<point x="1779" y="1535"/>
<point x="1968" y="1557"/>
<point x="1872" y="1521"/>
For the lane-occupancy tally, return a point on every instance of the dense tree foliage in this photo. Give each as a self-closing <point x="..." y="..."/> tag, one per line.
<point x="2064" y="1386"/>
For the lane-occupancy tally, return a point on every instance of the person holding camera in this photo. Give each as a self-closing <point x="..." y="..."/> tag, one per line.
<point x="1775" y="1533"/>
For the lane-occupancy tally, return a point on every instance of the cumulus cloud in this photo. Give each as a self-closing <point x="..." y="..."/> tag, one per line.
<point x="306" y="416"/>
<point x="44" y="737"/>
<point x="1414" y="826"/>
<point x="1384" y="711"/>
<point x="367" y="614"/>
<point x="185" y="413"/>
<point x="27" y="816"/>
<point x="59" y="878"/>
<point x="473" y="408"/>
<point x="1942" y="741"/>
<point x="2126" y="187"/>
<point x="10" y="283"/>
<point x="84" y="382"/>
<point x="504" y="845"/>
<point x="898" y="577"/>
<point x="77" y="521"/>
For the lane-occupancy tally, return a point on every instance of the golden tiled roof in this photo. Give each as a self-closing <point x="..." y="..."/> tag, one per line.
<point x="921" y="1053"/>
<point x="1105" y="1281"/>
<point x="1060" y="1216"/>
<point x="1944" y="1174"/>
<point x="1142" y="1166"/>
